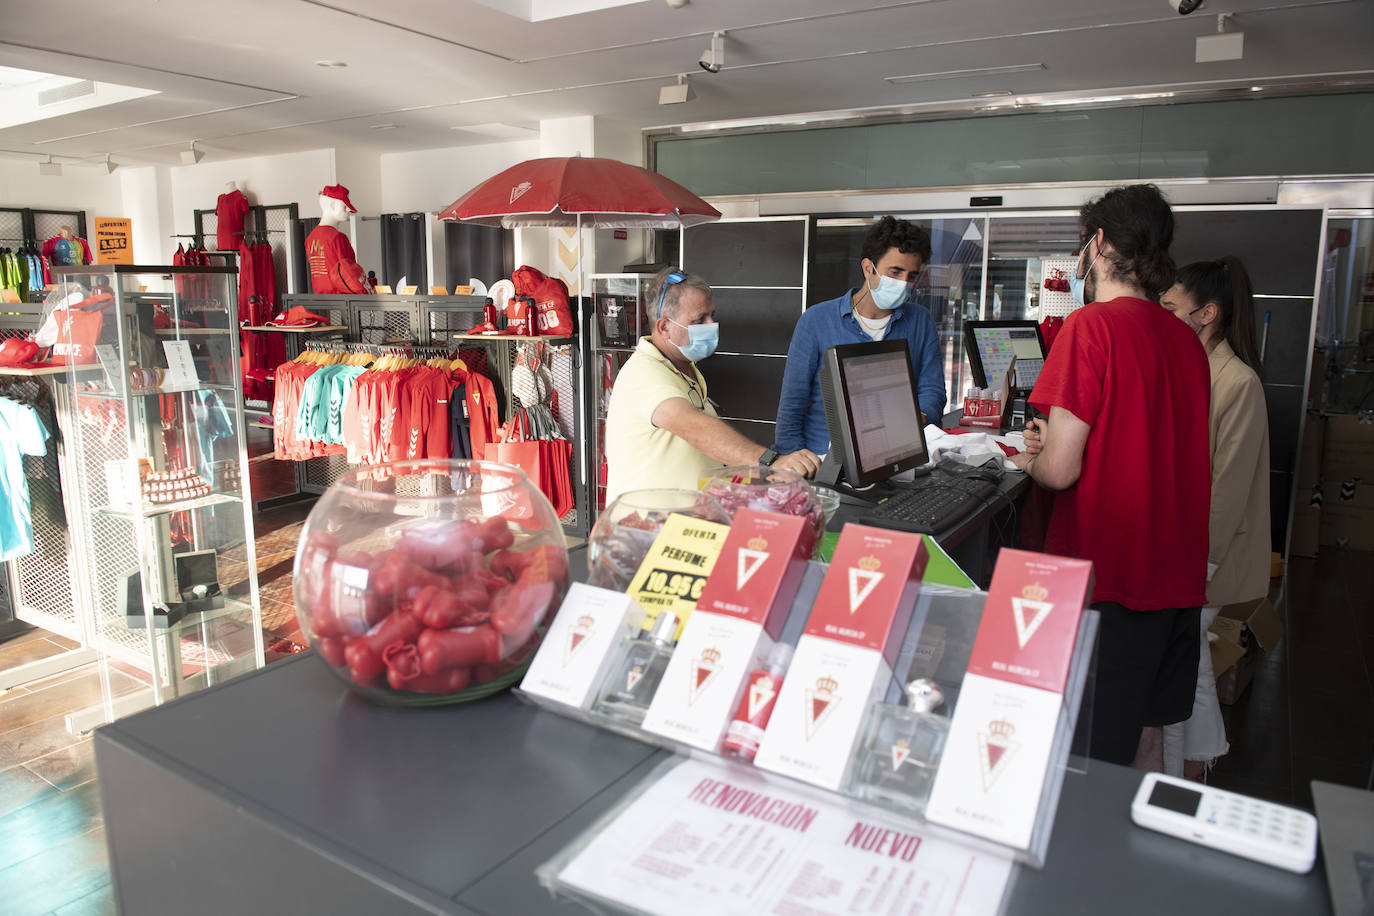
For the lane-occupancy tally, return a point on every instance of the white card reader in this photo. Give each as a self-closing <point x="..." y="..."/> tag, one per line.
<point x="1273" y="834"/>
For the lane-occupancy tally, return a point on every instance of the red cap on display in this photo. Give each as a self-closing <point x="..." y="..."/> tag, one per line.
<point x="297" y="317"/>
<point x="339" y="192"/>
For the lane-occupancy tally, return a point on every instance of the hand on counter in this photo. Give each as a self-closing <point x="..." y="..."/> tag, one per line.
<point x="802" y="462"/>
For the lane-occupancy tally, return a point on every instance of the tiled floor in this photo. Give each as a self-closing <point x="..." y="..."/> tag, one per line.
<point x="1308" y="715"/>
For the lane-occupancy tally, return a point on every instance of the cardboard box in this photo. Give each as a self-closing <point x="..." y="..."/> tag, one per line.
<point x="1240" y="628"/>
<point x="1348" y="448"/>
<point x="844" y="659"/>
<point x="738" y="618"/>
<point x="1309" y="470"/>
<point x="1306" y="530"/>
<point x="1348" y="525"/>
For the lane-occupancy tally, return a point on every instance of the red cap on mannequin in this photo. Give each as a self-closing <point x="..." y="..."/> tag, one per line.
<point x="339" y="192"/>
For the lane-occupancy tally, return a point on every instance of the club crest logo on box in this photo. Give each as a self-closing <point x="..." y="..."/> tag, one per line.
<point x="751" y="559"/>
<point x="995" y="750"/>
<point x="1030" y="624"/>
<point x="863" y="579"/>
<point x="703" y="673"/>
<point x="581" y="631"/>
<point x="821" y="701"/>
<point x="1030" y="609"/>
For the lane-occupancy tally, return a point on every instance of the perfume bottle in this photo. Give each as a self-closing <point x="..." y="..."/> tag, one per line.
<point x="756" y="706"/>
<point x="896" y="758"/>
<point x="630" y="686"/>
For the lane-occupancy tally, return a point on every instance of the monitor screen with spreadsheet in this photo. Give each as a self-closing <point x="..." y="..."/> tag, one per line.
<point x="869" y="391"/>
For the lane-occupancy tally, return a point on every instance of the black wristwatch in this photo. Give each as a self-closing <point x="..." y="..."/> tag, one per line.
<point x="768" y="457"/>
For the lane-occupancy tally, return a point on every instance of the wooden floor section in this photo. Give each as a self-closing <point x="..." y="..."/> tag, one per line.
<point x="52" y="835"/>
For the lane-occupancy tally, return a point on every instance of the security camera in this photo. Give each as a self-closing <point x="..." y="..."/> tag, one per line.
<point x="1184" y="7"/>
<point x="713" y="58"/>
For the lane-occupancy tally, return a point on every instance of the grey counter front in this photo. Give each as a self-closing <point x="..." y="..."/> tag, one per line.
<point x="281" y="792"/>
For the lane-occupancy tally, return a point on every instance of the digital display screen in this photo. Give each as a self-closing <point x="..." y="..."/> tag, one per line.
<point x="887" y="426"/>
<point x="1175" y="798"/>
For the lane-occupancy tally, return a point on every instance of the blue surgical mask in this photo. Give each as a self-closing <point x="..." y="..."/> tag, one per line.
<point x="701" y="340"/>
<point x="1077" y="283"/>
<point x="890" y="294"/>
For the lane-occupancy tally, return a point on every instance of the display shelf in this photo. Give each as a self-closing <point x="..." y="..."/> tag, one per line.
<point x="41" y="371"/>
<point x="546" y="338"/>
<point x="152" y="509"/>
<point x="204" y="538"/>
<point x="150" y="392"/>
<point x="66" y="625"/>
<point x="192" y="332"/>
<point x="317" y="329"/>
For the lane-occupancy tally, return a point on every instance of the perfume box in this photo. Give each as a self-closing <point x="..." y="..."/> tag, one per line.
<point x="739" y="616"/>
<point x="580" y="645"/>
<point x="997" y="757"/>
<point x="674" y="572"/>
<point x="1031" y="619"/>
<point x="844" y="658"/>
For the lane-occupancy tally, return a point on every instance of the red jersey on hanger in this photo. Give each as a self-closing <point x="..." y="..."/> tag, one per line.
<point x="230" y="209"/>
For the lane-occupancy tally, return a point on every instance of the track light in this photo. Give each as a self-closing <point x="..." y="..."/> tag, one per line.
<point x="1223" y="45"/>
<point x="676" y="93"/>
<point x="50" y="168"/>
<point x="110" y="166"/>
<point x="191" y="155"/>
<point x="713" y="58"/>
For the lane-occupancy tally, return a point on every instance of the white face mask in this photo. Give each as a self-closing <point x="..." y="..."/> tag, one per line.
<point x="890" y="293"/>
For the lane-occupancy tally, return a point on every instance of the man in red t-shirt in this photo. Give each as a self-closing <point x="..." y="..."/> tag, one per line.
<point x="1127" y="394"/>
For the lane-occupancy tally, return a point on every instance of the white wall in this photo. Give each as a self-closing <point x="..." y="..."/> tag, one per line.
<point x="359" y="170"/>
<point x="89" y="189"/>
<point x="267" y="180"/>
<point x="147" y="195"/>
<point x="433" y="179"/>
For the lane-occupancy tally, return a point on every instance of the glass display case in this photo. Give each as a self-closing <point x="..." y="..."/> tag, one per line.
<point x="621" y="319"/>
<point x="161" y="533"/>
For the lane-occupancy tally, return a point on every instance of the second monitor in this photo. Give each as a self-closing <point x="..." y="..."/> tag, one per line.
<point x="991" y="346"/>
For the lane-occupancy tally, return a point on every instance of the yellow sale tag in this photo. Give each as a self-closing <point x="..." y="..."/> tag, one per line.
<point x="675" y="569"/>
<point x="408" y="290"/>
<point x="438" y="291"/>
<point x="383" y="289"/>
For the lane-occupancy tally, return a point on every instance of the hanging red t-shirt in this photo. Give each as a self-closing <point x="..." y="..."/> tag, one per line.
<point x="230" y="210"/>
<point x="333" y="265"/>
<point x="1138" y="376"/>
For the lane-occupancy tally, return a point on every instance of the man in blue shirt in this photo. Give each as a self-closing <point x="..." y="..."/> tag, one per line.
<point x="883" y="308"/>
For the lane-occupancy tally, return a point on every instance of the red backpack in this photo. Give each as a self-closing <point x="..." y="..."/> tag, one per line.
<point x="550" y="296"/>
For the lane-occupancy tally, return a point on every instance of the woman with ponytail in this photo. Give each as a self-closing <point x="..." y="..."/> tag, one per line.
<point x="1213" y="298"/>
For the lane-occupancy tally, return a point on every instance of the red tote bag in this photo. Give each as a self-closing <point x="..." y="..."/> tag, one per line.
<point x="513" y="447"/>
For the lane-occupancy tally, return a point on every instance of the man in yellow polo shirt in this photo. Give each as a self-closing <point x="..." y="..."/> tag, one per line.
<point x="662" y="430"/>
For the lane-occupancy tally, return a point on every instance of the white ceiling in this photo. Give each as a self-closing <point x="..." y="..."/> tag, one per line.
<point x="240" y="78"/>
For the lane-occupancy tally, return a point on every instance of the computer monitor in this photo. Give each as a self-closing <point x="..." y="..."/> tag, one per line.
<point x="869" y="392"/>
<point x="991" y="345"/>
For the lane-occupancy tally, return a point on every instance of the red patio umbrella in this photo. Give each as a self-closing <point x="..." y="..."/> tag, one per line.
<point x="585" y="192"/>
<point x="580" y="191"/>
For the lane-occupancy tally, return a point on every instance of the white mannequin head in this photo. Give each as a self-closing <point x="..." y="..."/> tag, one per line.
<point x="230" y="186"/>
<point x="333" y="212"/>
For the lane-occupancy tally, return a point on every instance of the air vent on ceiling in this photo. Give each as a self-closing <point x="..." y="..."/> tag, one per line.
<point x="66" y="93"/>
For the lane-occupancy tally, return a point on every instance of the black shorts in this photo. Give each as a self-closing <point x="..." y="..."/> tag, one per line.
<point x="1146" y="675"/>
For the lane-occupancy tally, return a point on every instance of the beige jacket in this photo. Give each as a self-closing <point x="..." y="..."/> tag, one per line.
<point x="1240" y="541"/>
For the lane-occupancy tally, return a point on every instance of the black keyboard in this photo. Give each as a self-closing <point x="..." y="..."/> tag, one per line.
<point x="935" y="505"/>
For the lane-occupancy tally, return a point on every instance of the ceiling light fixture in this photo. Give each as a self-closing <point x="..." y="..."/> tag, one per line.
<point x="384" y="126"/>
<point x="713" y="58"/>
<point x="331" y="64"/>
<point x="992" y="94"/>
<point x="110" y="166"/>
<point x="50" y="168"/>
<point x="676" y="93"/>
<point x="191" y="155"/>
<point x="962" y="74"/>
<point x="1223" y="45"/>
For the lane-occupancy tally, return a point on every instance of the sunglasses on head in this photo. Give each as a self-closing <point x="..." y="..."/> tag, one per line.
<point x="670" y="280"/>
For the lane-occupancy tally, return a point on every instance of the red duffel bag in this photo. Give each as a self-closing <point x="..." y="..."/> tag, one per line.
<point x="550" y="300"/>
